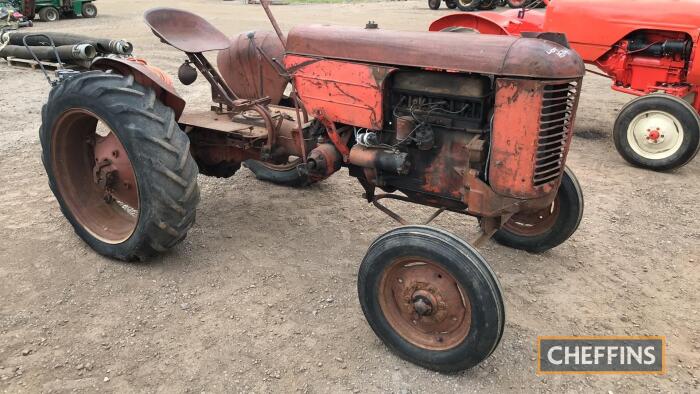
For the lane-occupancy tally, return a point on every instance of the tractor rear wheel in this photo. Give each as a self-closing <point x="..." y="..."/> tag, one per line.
<point x="434" y="4"/>
<point x="659" y="132"/>
<point x="468" y="5"/>
<point x="119" y="165"/>
<point x="49" y="14"/>
<point x="279" y="174"/>
<point x="89" y="10"/>
<point x="431" y="298"/>
<point x="539" y="231"/>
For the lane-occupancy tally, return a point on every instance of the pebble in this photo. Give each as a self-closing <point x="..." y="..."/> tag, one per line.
<point x="26" y="352"/>
<point x="106" y="379"/>
<point x="184" y="306"/>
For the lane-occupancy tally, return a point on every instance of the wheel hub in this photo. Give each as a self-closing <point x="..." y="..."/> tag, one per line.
<point x="655" y="134"/>
<point x="425" y="304"/>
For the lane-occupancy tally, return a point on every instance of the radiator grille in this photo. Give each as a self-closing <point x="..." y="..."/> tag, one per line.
<point x="558" y="106"/>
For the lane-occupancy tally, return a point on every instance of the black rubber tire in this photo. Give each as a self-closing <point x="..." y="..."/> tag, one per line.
<point x="434" y="4"/>
<point x="49" y="14"/>
<point x="566" y="224"/>
<point x="488" y="4"/>
<point x="219" y="170"/>
<point x="89" y="10"/>
<point x="676" y="107"/>
<point x="288" y="177"/>
<point x="468" y="5"/>
<point x="451" y="4"/>
<point x="466" y="265"/>
<point x="158" y="149"/>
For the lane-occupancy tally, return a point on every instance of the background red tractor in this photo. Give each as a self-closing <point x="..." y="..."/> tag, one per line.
<point x="647" y="48"/>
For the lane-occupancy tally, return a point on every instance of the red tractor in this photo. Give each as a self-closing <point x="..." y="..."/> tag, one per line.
<point x="481" y="131"/>
<point x="647" y="47"/>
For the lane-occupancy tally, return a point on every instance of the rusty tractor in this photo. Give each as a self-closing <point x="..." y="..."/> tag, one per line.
<point x="481" y="131"/>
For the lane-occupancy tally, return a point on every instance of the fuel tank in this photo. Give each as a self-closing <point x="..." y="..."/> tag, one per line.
<point x="473" y="53"/>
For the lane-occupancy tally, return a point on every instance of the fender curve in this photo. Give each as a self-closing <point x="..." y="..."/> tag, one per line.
<point x="146" y="75"/>
<point x="506" y="23"/>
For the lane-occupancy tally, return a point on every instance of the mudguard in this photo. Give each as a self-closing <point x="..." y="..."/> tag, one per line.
<point x="145" y="75"/>
<point x="505" y="23"/>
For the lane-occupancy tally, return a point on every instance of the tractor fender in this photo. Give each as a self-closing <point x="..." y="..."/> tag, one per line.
<point x="146" y="75"/>
<point x="505" y="23"/>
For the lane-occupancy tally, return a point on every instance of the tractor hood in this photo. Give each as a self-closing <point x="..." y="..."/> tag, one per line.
<point x="463" y="52"/>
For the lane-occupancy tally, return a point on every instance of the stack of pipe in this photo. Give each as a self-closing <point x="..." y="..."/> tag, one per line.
<point x="72" y="48"/>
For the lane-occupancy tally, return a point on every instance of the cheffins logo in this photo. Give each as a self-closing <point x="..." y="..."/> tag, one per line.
<point x="601" y="355"/>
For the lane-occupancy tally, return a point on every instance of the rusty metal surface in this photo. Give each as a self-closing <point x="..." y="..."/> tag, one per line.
<point x="532" y="131"/>
<point x="425" y="304"/>
<point x="247" y="69"/>
<point x="345" y="92"/>
<point x="147" y="76"/>
<point x="185" y="31"/>
<point x="93" y="173"/>
<point x="223" y="123"/>
<point x="487" y="54"/>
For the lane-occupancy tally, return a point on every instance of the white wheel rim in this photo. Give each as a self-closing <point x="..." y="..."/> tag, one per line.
<point x="655" y="135"/>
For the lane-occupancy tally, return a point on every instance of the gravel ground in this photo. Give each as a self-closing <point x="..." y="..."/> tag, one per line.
<point x="254" y="300"/>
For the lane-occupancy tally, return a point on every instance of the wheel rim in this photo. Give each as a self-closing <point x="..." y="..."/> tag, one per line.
<point x="424" y="304"/>
<point x="465" y="3"/>
<point x="94" y="176"/>
<point x="534" y="223"/>
<point x="89" y="10"/>
<point x="655" y="135"/>
<point x="52" y="15"/>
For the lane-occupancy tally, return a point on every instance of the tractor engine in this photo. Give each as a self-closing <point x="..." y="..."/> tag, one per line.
<point x="650" y="60"/>
<point x="484" y="129"/>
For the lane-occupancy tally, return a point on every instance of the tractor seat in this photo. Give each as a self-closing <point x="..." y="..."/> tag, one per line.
<point x="185" y="31"/>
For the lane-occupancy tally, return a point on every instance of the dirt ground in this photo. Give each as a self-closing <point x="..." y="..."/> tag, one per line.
<point x="261" y="296"/>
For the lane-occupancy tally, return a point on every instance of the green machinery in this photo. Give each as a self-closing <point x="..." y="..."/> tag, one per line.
<point x="53" y="10"/>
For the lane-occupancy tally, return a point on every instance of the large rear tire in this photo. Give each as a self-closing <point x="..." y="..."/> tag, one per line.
<point x="89" y="10"/>
<point x="537" y="232"/>
<point x="119" y="165"/>
<point x="658" y="132"/>
<point x="49" y="14"/>
<point x="468" y="5"/>
<point x="431" y="298"/>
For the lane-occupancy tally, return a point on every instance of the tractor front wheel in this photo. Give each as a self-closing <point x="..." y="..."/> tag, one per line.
<point x="539" y="231"/>
<point x="49" y="14"/>
<point x="119" y="165"/>
<point x="658" y="132"/>
<point x="431" y="298"/>
<point x="451" y="4"/>
<point x="434" y="4"/>
<point x="468" y="5"/>
<point x="89" y="10"/>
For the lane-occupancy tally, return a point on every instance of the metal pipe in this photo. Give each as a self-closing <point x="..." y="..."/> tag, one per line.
<point x="266" y="6"/>
<point x="380" y="159"/>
